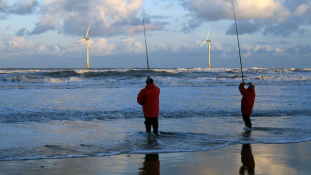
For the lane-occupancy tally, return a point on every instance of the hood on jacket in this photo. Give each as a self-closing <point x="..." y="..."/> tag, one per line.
<point x="150" y="86"/>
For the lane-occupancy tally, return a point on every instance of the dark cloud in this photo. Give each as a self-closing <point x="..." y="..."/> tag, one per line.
<point x="287" y="28"/>
<point x="219" y="10"/>
<point x="3" y="6"/>
<point x="21" y="32"/>
<point x="276" y="42"/>
<point x="245" y="27"/>
<point x="290" y="25"/>
<point x="137" y="21"/>
<point x="304" y="49"/>
<point x="281" y="42"/>
<point x="24" y="8"/>
<point x="207" y="10"/>
<point x="81" y="6"/>
<point x="75" y="26"/>
<point x="293" y="23"/>
<point x="300" y="49"/>
<point x="293" y="4"/>
<point x="72" y="17"/>
<point x="19" y="8"/>
<point x="41" y="28"/>
<point x="158" y="17"/>
<point x="191" y="25"/>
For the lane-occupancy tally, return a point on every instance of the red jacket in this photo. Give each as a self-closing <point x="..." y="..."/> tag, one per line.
<point x="248" y="99"/>
<point x="149" y="99"/>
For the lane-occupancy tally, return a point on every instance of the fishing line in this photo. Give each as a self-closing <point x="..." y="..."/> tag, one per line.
<point x="146" y="49"/>
<point x="237" y="36"/>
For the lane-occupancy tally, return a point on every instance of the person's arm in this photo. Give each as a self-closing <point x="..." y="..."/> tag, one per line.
<point x="140" y="97"/>
<point x="242" y="89"/>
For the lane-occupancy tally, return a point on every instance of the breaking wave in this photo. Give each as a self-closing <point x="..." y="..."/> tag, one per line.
<point x="180" y="77"/>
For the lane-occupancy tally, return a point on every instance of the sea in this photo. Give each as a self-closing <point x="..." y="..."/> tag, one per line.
<point x="64" y="113"/>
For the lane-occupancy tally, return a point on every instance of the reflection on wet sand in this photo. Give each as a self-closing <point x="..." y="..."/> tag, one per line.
<point x="247" y="159"/>
<point x="151" y="165"/>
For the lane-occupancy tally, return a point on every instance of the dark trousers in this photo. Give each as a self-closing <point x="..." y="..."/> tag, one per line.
<point x="247" y="120"/>
<point x="152" y="121"/>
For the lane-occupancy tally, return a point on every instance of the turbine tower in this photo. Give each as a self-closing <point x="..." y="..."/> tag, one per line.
<point x="209" y="47"/>
<point x="87" y="46"/>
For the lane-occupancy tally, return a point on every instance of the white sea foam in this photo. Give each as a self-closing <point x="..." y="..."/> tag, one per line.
<point x="24" y="79"/>
<point x="67" y="139"/>
<point x="83" y="71"/>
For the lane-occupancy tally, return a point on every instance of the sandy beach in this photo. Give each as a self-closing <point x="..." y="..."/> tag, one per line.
<point x="292" y="158"/>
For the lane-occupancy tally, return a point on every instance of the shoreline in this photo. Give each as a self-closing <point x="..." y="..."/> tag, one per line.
<point x="288" y="158"/>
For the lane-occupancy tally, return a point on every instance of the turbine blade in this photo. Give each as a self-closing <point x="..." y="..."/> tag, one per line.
<point x="89" y="46"/>
<point x="87" y="33"/>
<point x="208" y="32"/>
<point x="203" y="43"/>
<point x="211" y="47"/>
<point x="80" y="40"/>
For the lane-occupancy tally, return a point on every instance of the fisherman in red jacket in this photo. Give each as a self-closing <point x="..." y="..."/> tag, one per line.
<point x="247" y="102"/>
<point x="149" y="99"/>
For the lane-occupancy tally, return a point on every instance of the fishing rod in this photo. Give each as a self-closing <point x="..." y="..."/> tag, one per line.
<point x="237" y="36"/>
<point x="146" y="49"/>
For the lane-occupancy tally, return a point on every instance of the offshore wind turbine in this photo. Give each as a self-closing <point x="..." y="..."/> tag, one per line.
<point x="87" y="46"/>
<point x="209" y="47"/>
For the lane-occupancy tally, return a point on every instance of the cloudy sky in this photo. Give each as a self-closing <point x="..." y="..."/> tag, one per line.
<point x="43" y="33"/>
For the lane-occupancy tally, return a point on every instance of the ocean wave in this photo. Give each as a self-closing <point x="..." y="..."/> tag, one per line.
<point x="79" y="78"/>
<point x="110" y="82"/>
<point x="168" y="70"/>
<point x="87" y="71"/>
<point x="29" y="153"/>
<point x="263" y="77"/>
<point x="3" y="71"/>
<point x="24" y="116"/>
<point x="282" y="78"/>
<point x="92" y="139"/>
<point x="26" y="79"/>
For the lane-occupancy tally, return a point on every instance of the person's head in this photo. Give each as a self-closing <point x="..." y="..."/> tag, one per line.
<point x="251" y="85"/>
<point x="149" y="80"/>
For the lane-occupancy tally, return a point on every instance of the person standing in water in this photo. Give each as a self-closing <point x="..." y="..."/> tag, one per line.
<point x="149" y="99"/>
<point x="247" y="102"/>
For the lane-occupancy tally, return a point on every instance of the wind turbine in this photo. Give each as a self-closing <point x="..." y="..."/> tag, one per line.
<point x="87" y="46"/>
<point x="209" y="47"/>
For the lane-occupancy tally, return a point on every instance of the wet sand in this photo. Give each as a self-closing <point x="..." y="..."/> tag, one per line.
<point x="292" y="158"/>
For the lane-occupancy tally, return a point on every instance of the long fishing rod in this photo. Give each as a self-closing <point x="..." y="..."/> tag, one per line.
<point x="237" y="36"/>
<point x="146" y="47"/>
